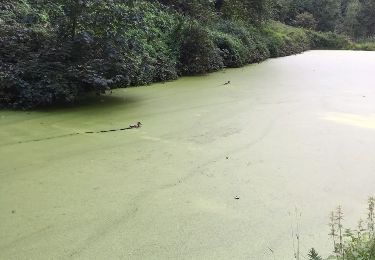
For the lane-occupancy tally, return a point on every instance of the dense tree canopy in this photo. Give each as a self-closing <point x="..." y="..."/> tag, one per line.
<point x="55" y="50"/>
<point x="355" y="18"/>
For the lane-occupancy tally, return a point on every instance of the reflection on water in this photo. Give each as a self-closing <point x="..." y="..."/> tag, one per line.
<point x="352" y="119"/>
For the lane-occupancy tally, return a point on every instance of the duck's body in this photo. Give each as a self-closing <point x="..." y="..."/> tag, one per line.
<point x="137" y="125"/>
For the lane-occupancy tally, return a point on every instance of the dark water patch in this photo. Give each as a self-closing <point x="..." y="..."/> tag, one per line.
<point x="107" y="101"/>
<point x="92" y="101"/>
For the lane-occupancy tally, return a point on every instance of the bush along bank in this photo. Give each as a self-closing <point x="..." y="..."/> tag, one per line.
<point x="55" y="53"/>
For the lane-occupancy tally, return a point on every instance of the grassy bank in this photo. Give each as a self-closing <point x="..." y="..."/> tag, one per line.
<point x="47" y="57"/>
<point x="365" y="45"/>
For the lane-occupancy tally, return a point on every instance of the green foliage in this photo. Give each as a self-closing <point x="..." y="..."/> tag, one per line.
<point x="349" y="244"/>
<point x="56" y="51"/>
<point x="305" y="20"/>
<point x="328" y="40"/>
<point x="284" y="40"/>
<point x="354" y="18"/>
<point x="367" y="45"/>
<point x="113" y="44"/>
<point x="351" y="19"/>
<point x="366" y="18"/>
<point x="232" y="50"/>
<point x="313" y="255"/>
<point x="201" y="10"/>
<point x="359" y="246"/>
<point x="327" y="14"/>
<point x="198" y="53"/>
<point x="253" y="11"/>
<point x="239" y="45"/>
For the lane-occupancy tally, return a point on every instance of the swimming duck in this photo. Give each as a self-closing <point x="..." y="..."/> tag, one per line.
<point x="137" y="125"/>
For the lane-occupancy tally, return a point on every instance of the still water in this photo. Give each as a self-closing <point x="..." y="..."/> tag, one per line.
<point x="216" y="172"/>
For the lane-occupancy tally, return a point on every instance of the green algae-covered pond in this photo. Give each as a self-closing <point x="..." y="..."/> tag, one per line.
<point x="216" y="172"/>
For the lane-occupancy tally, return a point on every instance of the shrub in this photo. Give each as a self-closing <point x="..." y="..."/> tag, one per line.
<point x="327" y="40"/>
<point x="313" y="255"/>
<point x="365" y="45"/>
<point x="201" y="10"/>
<point x="285" y="40"/>
<point x="198" y="53"/>
<point x="305" y="20"/>
<point x="245" y="39"/>
<point x="232" y="50"/>
<point x="349" y="244"/>
<point x="114" y="44"/>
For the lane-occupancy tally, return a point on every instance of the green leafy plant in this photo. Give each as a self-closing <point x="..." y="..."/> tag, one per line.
<point x="351" y="244"/>
<point x="313" y="255"/>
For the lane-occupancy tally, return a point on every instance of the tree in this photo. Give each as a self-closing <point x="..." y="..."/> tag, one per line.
<point x="351" y="23"/>
<point x="366" y="18"/>
<point x="288" y="10"/>
<point x="74" y="10"/>
<point x="198" y="9"/>
<point x="327" y="13"/>
<point x="306" y="20"/>
<point x="253" y="11"/>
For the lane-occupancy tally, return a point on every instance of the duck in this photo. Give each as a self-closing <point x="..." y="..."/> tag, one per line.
<point x="136" y="125"/>
<point x="227" y="83"/>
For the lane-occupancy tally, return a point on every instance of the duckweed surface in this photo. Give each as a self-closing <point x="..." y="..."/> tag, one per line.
<point x="216" y="172"/>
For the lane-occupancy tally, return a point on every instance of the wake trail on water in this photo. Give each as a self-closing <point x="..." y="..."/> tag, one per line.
<point x="71" y="134"/>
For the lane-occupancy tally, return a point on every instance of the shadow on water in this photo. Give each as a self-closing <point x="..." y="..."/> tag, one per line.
<point x="89" y="102"/>
<point x="79" y="118"/>
<point x="92" y="102"/>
